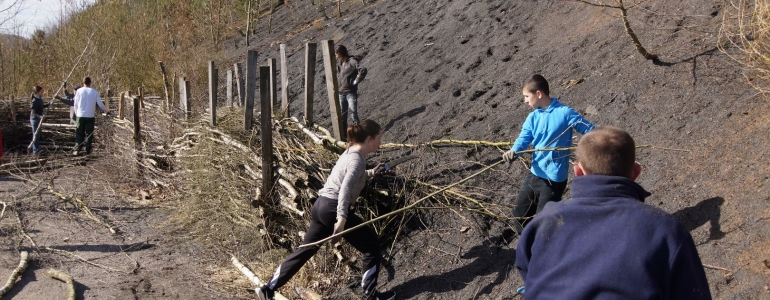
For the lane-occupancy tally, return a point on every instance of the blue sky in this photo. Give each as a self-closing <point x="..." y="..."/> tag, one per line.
<point x="37" y="14"/>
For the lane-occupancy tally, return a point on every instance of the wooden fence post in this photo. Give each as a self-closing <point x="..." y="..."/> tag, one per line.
<point x="330" y="69"/>
<point x="184" y="102"/>
<point x="229" y="89"/>
<point x="251" y="82"/>
<point x="165" y="84"/>
<point x="213" y="81"/>
<point x="13" y="112"/>
<point x="141" y="96"/>
<point x="121" y="105"/>
<point x="284" y="82"/>
<point x="310" y="51"/>
<point x="272" y="84"/>
<point x="267" y="130"/>
<point x="137" y="128"/>
<point x="239" y="84"/>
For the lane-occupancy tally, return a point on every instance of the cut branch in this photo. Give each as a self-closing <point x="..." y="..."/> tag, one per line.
<point x="64" y="277"/>
<point x="16" y="273"/>
<point x="250" y="275"/>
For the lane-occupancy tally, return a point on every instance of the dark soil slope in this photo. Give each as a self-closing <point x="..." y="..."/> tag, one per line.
<point x="452" y="69"/>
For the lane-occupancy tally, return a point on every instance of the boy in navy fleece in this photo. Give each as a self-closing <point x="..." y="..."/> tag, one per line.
<point x="604" y="242"/>
<point x="550" y="125"/>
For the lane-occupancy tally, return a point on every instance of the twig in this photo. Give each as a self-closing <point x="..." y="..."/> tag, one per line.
<point x="716" y="268"/>
<point x="64" y="277"/>
<point x="405" y="208"/>
<point x="16" y="273"/>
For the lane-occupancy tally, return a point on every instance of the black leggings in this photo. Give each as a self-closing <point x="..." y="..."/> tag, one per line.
<point x="534" y="193"/>
<point x="323" y="217"/>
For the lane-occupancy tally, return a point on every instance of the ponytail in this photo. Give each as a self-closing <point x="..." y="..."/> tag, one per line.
<point x="359" y="132"/>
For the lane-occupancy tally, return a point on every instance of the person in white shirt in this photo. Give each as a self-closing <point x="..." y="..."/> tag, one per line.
<point x="85" y="102"/>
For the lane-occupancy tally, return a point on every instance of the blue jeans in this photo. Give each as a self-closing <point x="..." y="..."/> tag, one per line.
<point x="349" y="104"/>
<point x="35" y="140"/>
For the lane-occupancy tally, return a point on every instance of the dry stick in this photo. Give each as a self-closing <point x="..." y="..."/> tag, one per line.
<point x="2" y="213"/>
<point x="64" y="277"/>
<point x="16" y="273"/>
<point x="84" y="207"/>
<point x="250" y="275"/>
<point x="405" y="208"/>
<point x="717" y="268"/>
<point x="60" y="87"/>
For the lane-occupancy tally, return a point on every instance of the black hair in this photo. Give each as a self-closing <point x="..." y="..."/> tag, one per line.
<point x="358" y="132"/>
<point x="536" y="83"/>
<point x="87" y="81"/>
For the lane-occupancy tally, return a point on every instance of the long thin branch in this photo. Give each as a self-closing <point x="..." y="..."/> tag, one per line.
<point x="61" y="86"/>
<point x="405" y="208"/>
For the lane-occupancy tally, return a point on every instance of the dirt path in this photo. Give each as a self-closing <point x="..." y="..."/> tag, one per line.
<point x="141" y="261"/>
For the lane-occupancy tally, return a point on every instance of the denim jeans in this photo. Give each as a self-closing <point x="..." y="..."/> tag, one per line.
<point x="349" y="104"/>
<point x="35" y="137"/>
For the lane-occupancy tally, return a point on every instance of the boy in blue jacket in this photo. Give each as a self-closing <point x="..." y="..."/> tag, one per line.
<point x="604" y="242"/>
<point x="550" y="125"/>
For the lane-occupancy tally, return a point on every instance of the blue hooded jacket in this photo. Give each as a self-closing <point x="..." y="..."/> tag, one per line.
<point x="548" y="128"/>
<point x="605" y="243"/>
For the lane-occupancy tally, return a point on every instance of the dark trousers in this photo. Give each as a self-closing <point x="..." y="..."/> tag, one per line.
<point x="84" y="131"/>
<point x="323" y="217"/>
<point x="534" y="193"/>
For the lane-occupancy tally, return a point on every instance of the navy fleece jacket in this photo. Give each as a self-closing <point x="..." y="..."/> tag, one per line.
<point x="605" y="243"/>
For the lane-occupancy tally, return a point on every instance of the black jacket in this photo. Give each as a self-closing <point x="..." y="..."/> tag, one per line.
<point x="36" y="107"/>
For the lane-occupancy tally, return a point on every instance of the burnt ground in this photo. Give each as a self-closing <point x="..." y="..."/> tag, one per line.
<point x="452" y="69"/>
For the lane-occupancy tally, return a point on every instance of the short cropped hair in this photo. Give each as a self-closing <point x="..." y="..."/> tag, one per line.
<point x="607" y="150"/>
<point x="358" y="132"/>
<point x="536" y="83"/>
<point x="87" y="81"/>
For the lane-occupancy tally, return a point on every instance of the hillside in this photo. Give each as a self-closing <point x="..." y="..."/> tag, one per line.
<point x="452" y="69"/>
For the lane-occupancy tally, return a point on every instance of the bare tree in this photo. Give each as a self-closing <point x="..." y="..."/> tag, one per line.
<point x="9" y="9"/>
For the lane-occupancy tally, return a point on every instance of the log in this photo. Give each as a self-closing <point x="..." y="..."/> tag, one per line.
<point x="253" y="278"/>
<point x="64" y="277"/>
<point x="16" y="273"/>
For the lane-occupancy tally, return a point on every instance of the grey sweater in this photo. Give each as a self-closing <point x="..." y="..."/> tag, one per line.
<point x="346" y="181"/>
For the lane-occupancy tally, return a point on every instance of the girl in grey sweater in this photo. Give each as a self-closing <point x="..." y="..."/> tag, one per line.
<point x="331" y="214"/>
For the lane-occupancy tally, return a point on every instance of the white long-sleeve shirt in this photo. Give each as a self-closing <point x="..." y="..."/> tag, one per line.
<point x="86" y="100"/>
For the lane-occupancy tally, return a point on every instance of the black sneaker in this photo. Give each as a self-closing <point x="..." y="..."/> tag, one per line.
<point x="263" y="293"/>
<point x="380" y="296"/>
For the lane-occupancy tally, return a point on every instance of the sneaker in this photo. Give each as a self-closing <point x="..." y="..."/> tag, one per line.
<point x="520" y="290"/>
<point x="263" y="293"/>
<point x="380" y="296"/>
<point x="75" y="153"/>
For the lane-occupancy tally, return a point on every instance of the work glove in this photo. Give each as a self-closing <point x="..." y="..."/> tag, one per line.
<point x="338" y="227"/>
<point x="509" y="156"/>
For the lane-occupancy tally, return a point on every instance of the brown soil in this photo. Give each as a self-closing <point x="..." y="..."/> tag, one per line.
<point x="452" y="69"/>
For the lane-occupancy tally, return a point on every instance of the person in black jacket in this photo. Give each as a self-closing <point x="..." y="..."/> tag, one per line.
<point x="35" y="115"/>
<point x="605" y="242"/>
<point x="349" y="75"/>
